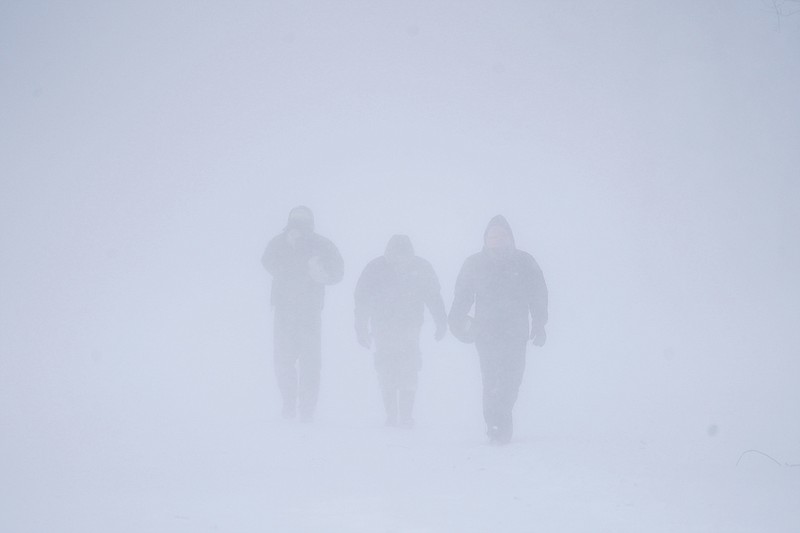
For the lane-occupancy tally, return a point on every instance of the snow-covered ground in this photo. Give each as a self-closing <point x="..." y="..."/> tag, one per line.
<point x="360" y="477"/>
<point x="167" y="454"/>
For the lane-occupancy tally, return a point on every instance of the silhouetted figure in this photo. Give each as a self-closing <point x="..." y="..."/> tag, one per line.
<point x="301" y="263"/>
<point x="508" y="291"/>
<point x="390" y="299"/>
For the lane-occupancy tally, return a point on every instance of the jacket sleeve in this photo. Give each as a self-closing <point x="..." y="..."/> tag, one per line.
<point x="463" y="300"/>
<point x="270" y="259"/>
<point x="331" y="261"/>
<point x="364" y="296"/>
<point x="433" y="297"/>
<point x="537" y="296"/>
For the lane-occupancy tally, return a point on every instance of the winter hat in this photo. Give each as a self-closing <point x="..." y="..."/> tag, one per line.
<point x="491" y="239"/>
<point x="301" y="218"/>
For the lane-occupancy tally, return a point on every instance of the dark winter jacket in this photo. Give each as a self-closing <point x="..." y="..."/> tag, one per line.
<point x="300" y="270"/>
<point x="394" y="289"/>
<point x="508" y="291"/>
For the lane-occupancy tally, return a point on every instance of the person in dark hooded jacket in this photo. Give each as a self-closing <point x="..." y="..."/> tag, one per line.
<point x="390" y="299"/>
<point x="301" y="263"/>
<point x="507" y="289"/>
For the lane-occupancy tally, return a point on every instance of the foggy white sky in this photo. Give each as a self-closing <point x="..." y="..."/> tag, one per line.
<point x="645" y="153"/>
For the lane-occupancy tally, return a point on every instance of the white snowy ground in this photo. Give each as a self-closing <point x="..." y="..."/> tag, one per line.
<point x="170" y="464"/>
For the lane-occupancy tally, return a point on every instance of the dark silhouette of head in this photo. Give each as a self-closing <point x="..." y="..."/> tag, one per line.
<point x="301" y="218"/>
<point x="399" y="250"/>
<point x="498" y="236"/>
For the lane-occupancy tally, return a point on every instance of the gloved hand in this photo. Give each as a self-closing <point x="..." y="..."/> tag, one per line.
<point x="316" y="270"/>
<point x="464" y="329"/>
<point x="441" y="330"/>
<point x="538" y="335"/>
<point x="363" y="337"/>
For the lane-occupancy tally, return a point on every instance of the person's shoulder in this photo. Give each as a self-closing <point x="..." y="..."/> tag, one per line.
<point x="277" y="240"/>
<point x="527" y="259"/>
<point x="423" y="268"/>
<point x="420" y="263"/>
<point x="377" y="263"/>
<point x="474" y="262"/>
<point x="477" y="258"/>
<point x="522" y="254"/>
<point x="375" y="267"/>
<point x="322" y="241"/>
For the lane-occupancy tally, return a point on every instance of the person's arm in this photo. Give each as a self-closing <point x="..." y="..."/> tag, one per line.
<point x="434" y="301"/>
<point x="331" y="261"/>
<point x="463" y="300"/>
<point x="270" y="259"/>
<point x="363" y="296"/>
<point x="537" y="304"/>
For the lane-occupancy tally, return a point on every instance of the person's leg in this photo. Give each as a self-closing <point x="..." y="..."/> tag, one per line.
<point x="397" y="360"/>
<point x="387" y="382"/>
<point x="509" y="378"/>
<point x="285" y="364"/>
<point x="308" y="340"/>
<point x="308" y="385"/>
<point x="491" y="389"/>
<point x="286" y="375"/>
<point x="408" y="373"/>
<point x="406" y="407"/>
<point x="390" y="404"/>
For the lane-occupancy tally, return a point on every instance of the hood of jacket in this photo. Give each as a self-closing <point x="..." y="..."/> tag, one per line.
<point x="399" y="249"/>
<point x="498" y="220"/>
<point x="302" y="218"/>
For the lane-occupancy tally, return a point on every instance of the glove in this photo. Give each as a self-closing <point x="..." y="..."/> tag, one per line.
<point x="463" y="330"/>
<point x="538" y="336"/>
<point x="316" y="271"/>
<point x="363" y="337"/>
<point x="441" y="330"/>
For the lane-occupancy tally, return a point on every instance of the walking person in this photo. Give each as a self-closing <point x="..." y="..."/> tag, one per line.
<point x="301" y="263"/>
<point x="507" y="289"/>
<point x="390" y="299"/>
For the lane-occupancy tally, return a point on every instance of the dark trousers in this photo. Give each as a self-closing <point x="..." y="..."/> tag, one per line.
<point x="297" y="349"/>
<point x="397" y="361"/>
<point x="502" y="368"/>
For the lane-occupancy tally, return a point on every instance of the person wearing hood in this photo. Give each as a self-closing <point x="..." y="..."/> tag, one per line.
<point x="390" y="299"/>
<point x="507" y="289"/>
<point x="301" y="263"/>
